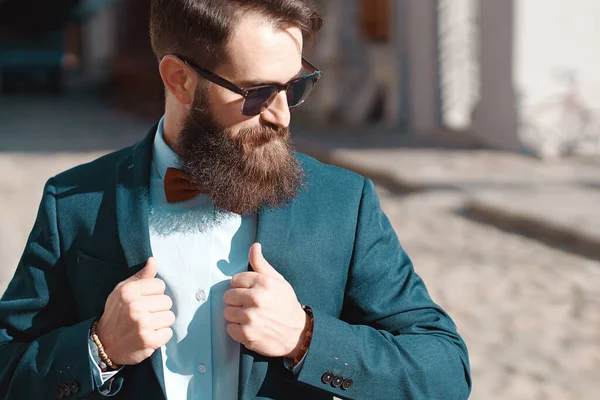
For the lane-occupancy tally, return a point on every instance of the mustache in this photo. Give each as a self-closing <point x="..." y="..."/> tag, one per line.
<point x="249" y="139"/>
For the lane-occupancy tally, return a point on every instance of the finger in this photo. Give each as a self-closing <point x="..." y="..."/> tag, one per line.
<point x="237" y="315"/>
<point x="148" y="272"/>
<point x="236" y="333"/>
<point x="238" y="297"/>
<point x="245" y="280"/>
<point x="258" y="262"/>
<point x="156" y="303"/>
<point x="161" y="319"/>
<point x="161" y="336"/>
<point x="143" y="287"/>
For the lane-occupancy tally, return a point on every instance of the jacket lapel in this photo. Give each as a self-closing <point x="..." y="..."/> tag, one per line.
<point x="133" y="203"/>
<point x="272" y="233"/>
<point x="133" y="207"/>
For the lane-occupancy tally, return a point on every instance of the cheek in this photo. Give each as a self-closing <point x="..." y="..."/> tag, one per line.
<point x="226" y="106"/>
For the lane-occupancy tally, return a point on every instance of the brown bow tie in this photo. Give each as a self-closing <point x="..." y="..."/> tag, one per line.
<point x="179" y="186"/>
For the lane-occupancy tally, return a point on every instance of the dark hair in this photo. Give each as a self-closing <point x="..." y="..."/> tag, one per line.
<point x="200" y="29"/>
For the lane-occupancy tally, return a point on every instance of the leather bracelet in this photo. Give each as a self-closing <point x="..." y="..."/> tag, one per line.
<point x="103" y="356"/>
<point x="307" y="337"/>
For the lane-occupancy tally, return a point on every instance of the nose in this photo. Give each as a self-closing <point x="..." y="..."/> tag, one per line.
<point x="278" y="112"/>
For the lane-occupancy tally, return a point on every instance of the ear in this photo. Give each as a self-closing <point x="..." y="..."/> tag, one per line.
<point x="179" y="79"/>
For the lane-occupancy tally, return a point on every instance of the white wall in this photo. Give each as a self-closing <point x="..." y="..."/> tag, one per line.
<point x="557" y="74"/>
<point x="540" y="76"/>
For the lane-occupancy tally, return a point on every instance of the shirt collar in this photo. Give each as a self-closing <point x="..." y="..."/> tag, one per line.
<point x="164" y="157"/>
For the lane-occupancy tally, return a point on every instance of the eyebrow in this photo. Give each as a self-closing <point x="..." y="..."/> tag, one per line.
<point x="253" y="83"/>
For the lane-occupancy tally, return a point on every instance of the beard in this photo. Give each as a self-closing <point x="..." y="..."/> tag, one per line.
<point x="242" y="169"/>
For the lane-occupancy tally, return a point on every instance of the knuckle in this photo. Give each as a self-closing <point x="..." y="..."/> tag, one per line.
<point x="146" y="341"/>
<point x="126" y="292"/>
<point x="135" y="314"/>
<point x="135" y="308"/>
<point x="138" y="323"/>
<point x="250" y="317"/>
<point x="246" y="333"/>
<point x="262" y="280"/>
<point x="257" y="299"/>
<point x="235" y="281"/>
<point x="266" y="282"/>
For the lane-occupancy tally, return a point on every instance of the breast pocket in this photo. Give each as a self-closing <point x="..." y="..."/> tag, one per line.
<point x="95" y="279"/>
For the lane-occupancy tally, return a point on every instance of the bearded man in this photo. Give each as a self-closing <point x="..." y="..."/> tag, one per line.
<point x="209" y="260"/>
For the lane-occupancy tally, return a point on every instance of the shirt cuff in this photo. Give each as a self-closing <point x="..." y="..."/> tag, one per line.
<point x="102" y="380"/>
<point x="288" y="362"/>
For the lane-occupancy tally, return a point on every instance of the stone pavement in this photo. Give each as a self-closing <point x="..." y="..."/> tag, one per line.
<point x="554" y="202"/>
<point x="529" y="311"/>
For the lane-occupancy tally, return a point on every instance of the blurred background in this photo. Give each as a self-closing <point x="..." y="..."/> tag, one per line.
<point x="477" y="119"/>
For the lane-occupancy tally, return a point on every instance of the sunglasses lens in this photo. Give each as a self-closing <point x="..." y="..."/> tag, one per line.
<point x="257" y="100"/>
<point x="299" y="91"/>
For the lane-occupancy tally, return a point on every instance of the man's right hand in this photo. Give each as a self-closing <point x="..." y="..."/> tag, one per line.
<point x="137" y="318"/>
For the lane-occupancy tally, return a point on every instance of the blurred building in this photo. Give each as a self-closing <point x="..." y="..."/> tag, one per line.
<point x="519" y="75"/>
<point x="101" y="44"/>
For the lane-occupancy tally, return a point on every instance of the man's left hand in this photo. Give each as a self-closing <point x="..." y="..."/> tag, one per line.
<point x="263" y="311"/>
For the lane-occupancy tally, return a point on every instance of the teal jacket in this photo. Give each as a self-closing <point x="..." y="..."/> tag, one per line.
<point x="374" y="322"/>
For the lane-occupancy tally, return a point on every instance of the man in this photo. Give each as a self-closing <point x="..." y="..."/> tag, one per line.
<point x="143" y="277"/>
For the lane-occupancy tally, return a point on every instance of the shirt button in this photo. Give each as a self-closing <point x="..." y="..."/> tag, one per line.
<point x="200" y="295"/>
<point x="202" y="368"/>
<point x="203" y="227"/>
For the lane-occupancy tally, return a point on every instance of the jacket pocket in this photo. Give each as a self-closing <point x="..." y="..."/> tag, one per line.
<point x="95" y="279"/>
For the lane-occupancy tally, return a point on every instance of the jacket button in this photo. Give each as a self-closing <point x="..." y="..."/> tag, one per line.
<point x="65" y="389"/>
<point x="327" y="377"/>
<point x="347" y="384"/>
<point x="58" y="392"/>
<point x="337" y="381"/>
<point x="73" y="387"/>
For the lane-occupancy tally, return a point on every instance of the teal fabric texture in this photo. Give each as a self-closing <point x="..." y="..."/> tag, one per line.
<point x="375" y="324"/>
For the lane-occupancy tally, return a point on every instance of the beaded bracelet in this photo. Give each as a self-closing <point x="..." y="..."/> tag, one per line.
<point x="103" y="356"/>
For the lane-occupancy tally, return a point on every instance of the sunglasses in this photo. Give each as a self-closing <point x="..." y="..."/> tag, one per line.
<point x="258" y="98"/>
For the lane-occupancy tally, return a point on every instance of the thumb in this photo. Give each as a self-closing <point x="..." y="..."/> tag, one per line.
<point x="148" y="272"/>
<point x="258" y="262"/>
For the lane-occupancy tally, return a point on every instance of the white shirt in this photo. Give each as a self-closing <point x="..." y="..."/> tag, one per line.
<point x="198" y="251"/>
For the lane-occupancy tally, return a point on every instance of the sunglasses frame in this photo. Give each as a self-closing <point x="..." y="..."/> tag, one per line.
<point x="246" y="92"/>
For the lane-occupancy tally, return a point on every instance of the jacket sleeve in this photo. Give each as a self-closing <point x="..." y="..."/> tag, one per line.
<point x="43" y="348"/>
<point x="391" y="341"/>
